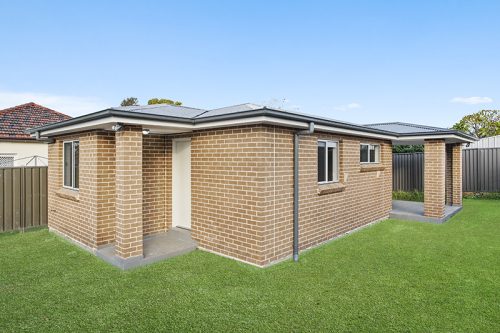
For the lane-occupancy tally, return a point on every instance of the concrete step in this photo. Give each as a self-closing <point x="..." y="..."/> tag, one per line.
<point x="180" y="233"/>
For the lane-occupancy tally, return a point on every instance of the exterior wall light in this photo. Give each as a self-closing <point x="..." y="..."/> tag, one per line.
<point x="117" y="127"/>
<point x="145" y="131"/>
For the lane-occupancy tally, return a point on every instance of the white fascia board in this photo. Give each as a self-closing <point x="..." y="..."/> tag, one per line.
<point x="106" y="123"/>
<point x="332" y="129"/>
<point x="448" y="137"/>
<point x="289" y="123"/>
<point x="252" y="121"/>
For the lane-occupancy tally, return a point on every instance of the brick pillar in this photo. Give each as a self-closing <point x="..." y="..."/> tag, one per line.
<point x="449" y="174"/>
<point x="129" y="193"/>
<point x="434" y="178"/>
<point x="457" y="174"/>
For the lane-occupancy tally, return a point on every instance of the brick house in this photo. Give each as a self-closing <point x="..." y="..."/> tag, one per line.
<point x="230" y="178"/>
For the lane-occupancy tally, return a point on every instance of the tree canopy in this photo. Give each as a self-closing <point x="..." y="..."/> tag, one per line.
<point x="162" y="101"/>
<point x="130" y="101"/>
<point x="407" y="149"/>
<point x="481" y="124"/>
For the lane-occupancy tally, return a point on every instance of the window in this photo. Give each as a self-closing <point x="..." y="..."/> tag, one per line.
<point x="71" y="164"/>
<point x="328" y="161"/>
<point x="6" y="161"/>
<point x="370" y="153"/>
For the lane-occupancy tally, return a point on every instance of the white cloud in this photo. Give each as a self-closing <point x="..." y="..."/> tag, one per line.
<point x="70" y="105"/>
<point x="348" y="106"/>
<point x="471" y="100"/>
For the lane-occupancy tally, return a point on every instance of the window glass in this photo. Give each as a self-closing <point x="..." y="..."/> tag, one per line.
<point x="364" y="153"/>
<point x="328" y="161"/>
<point x="372" y="153"/>
<point x="76" y="147"/>
<point x="68" y="164"/>
<point x="321" y="161"/>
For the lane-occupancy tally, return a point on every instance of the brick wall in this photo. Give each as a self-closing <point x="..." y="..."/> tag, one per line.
<point x="156" y="156"/>
<point x="434" y="178"/>
<point x="128" y="227"/>
<point x="449" y="174"/>
<point x="90" y="220"/>
<point x="242" y="192"/>
<point x="457" y="174"/>
<point x="367" y="197"/>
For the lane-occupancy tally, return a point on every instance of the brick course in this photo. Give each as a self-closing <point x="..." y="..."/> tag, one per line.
<point x="128" y="227"/>
<point x="434" y="178"/>
<point x="457" y="174"/>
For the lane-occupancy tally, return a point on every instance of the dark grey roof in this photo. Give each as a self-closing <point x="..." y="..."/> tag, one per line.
<point x="405" y="128"/>
<point x="232" y="109"/>
<point x="182" y="114"/>
<point x="169" y="110"/>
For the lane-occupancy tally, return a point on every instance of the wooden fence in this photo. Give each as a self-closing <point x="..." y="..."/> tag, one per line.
<point x="23" y="197"/>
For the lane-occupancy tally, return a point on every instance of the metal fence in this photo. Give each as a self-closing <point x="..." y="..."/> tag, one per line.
<point x="480" y="170"/>
<point x="408" y="172"/>
<point x="23" y="197"/>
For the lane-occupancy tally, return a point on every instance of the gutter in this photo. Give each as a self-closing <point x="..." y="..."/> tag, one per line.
<point x="46" y="140"/>
<point x="296" y="188"/>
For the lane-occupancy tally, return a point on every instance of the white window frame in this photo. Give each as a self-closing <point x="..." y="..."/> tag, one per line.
<point x="72" y="165"/>
<point x="371" y="145"/>
<point x="331" y="143"/>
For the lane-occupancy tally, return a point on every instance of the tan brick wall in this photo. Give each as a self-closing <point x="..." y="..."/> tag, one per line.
<point x="128" y="226"/>
<point x="457" y="174"/>
<point x="449" y="174"/>
<point x="434" y="178"/>
<point x="242" y="192"/>
<point x="367" y="197"/>
<point x="154" y="184"/>
<point x="90" y="221"/>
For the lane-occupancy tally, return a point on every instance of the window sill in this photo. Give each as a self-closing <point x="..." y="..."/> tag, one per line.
<point x="372" y="167"/>
<point x="65" y="193"/>
<point x="331" y="188"/>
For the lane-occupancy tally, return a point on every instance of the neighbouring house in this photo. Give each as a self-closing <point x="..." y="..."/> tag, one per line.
<point x="489" y="142"/>
<point x="248" y="182"/>
<point x="16" y="147"/>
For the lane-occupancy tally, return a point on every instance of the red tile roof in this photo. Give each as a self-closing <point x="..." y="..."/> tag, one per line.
<point x="13" y="121"/>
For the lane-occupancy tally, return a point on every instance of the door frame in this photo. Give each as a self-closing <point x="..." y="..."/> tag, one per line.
<point x="175" y="202"/>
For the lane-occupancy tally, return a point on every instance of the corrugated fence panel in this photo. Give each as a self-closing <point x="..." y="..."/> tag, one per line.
<point x="480" y="170"/>
<point x="23" y="197"/>
<point x="407" y="172"/>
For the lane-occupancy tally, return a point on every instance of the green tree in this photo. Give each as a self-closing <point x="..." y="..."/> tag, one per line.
<point x="131" y="101"/>
<point x="407" y="149"/>
<point x="162" y="101"/>
<point x="481" y="124"/>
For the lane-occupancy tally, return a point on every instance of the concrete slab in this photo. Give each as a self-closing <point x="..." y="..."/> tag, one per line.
<point x="414" y="211"/>
<point x="155" y="248"/>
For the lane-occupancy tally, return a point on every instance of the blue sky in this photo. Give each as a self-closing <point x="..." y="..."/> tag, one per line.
<point x="358" y="61"/>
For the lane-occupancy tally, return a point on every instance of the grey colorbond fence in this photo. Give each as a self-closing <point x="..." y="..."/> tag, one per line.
<point x="408" y="172"/>
<point x="23" y="197"/>
<point x="480" y="170"/>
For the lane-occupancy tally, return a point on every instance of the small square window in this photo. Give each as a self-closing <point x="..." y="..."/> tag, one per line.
<point x="369" y="153"/>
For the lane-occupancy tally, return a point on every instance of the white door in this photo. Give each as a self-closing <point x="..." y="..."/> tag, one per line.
<point x="181" y="183"/>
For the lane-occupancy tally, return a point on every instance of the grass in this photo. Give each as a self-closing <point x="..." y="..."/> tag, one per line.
<point x="392" y="276"/>
<point x="414" y="195"/>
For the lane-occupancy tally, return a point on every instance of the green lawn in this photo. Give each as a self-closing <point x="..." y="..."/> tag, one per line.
<point x="392" y="276"/>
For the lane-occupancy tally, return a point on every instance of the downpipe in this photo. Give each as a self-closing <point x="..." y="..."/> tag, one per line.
<point x="296" y="188"/>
